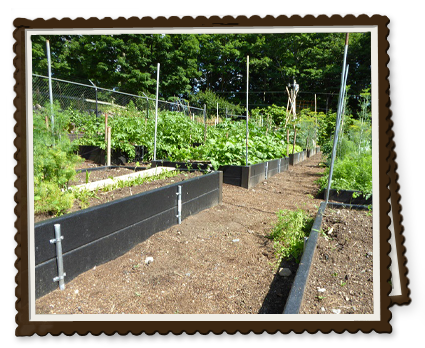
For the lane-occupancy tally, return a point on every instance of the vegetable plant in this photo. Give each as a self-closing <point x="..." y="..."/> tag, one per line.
<point x="288" y="233"/>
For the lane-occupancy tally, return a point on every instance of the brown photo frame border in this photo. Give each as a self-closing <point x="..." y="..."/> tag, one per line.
<point x="28" y="328"/>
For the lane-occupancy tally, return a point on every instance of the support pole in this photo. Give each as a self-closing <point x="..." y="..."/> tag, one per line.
<point x="315" y="121"/>
<point x="49" y="67"/>
<point x="217" y="114"/>
<point x="338" y="118"/>
<point x="108" y="151"/>
<point x="106" y="127"/>
<point x="156" y="112"/>
<point x="205" y="123"/>
<point x="95" y="88"/>
<point x="247" y="90"/>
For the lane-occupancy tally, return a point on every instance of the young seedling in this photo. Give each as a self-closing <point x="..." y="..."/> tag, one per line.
<point x="87" y="176"/>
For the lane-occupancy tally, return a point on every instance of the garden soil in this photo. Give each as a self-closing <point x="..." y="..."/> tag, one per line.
<point x="218" y="261"/>
<point x="341" y="274"/>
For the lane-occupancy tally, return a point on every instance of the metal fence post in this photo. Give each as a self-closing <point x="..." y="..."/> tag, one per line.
<point x="58" y="241"/>
<point x="49" y="63"/>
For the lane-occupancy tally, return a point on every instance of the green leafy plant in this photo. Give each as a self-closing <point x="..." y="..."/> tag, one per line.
<point x="353" y="163"/>
<point x="54" y="161"/>
<point x="224" y="145"/>
<point x="87" y="176"/>
<point x="353" y="172"/>
<point x="288" y="233"/>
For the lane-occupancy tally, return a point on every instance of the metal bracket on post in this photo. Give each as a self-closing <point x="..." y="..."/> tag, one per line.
<point x="179" y="203"/>
<point x="305" y="243"/>
<point x="266" y="169"/>
<point x="58" y="242"/>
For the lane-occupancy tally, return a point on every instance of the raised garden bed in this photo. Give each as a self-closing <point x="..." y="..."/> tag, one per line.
<point x="99" y="234"/>
<point x="297" y="157"/>
<point x="218" y="261"/>
<point x="334" y="274"/>
<point x="244" y="176"/>
<point x="112" y="180"/>
<point x="313" y="151"/>
<point x="189" y="165"/>
<point x="347" y="196"/>
<point x="98" y="155"/>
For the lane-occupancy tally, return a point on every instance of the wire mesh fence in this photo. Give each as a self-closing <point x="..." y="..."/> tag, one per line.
<point x="98" y="100"/>
<point x="92" y="99"/>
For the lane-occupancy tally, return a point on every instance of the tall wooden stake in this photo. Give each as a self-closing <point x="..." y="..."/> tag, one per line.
<point x="108" y="147"/>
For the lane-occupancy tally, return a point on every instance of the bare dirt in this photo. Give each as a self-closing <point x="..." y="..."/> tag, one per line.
<point x="341" y="274"/>
<point x="217" y="261"/>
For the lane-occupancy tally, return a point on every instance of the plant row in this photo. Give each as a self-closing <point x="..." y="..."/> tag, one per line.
<point x="179" y="138"/>
<point x="353" y="161"/>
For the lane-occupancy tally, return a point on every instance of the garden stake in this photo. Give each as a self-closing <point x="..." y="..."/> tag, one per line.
<point x="247" y="89"/>
<point x="108" y="153"/>
<point x="156" y="112"/>
<point x="341" y="97"/>
<point x="205" y="123"/>
<point x="106" y="127"/>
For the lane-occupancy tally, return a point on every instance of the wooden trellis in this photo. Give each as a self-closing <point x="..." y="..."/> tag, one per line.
<point x="291" y="114"/>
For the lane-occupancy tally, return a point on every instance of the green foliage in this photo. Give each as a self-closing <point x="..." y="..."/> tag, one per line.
<point x="307" y="129"/>
<point x="327" y="124"/>
<point x="353" y="172"/>
<point x="215" y="62"/>
<point x="176" y="132"/>
<point x="211" y="99"/>
<point x="278" y="114"/>
<point x="353" y="163"/>
<point x="54" y="162"/>
<point x="289" y="232"/>
<point x="226" y="144"/>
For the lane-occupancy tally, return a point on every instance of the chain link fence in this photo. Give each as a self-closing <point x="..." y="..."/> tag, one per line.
<point x="93" y="99"/>
<point x="98" y="100"/>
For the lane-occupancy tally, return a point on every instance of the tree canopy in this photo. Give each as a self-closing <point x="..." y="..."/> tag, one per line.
<point x="192" y="63"/>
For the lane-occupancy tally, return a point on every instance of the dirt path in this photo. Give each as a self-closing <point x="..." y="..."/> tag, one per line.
<point x="218" y="261"/>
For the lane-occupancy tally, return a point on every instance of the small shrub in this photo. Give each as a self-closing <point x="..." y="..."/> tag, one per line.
<point x="54" y="162"/>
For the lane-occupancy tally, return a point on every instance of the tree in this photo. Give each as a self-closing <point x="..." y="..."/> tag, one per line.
<point x="197" y="62"/>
